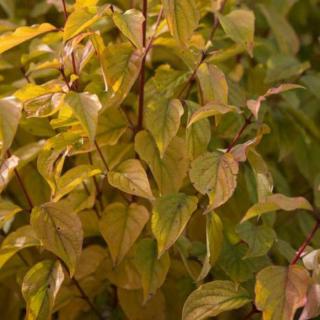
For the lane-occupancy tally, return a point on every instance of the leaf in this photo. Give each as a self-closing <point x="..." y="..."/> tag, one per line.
<point x="209" y="110"/>
<point x="214" y="234"/>
<point x="280" y="302"/>
<point x="213" y="298"/>
<point x="7" y="211"/>
<point x="81" y="19"/>
<point x="10" y="114"/>
<point x="12" y="39"/>
<point x="198" y="135"/>
<point x="22" y="238"/>
<point x="215" y="174"/>
<point x="121" y="226"/>
<point x="312" y="307"/>
<point x="130" y="177"/>
<point x="40" y="288"/>
<point x="112" y="125"/>
<point x="276" y="202"/>
<point x="254" y="105"/>
<point x="287" y="40"/>
<point x="239" y="26"/>
<point x="182" y="18"/>
<point x="130" y="24"/>
<point x="72" y="178"/>
<point x="85" y="107"/>
<point x="168" y="175"/>
<point x="7" y="168"/>
<point x="60" y="232"/>
<point x="153" y="271"/>
<point x="162" y="119"/>
<point x="121" y="67"/>
<point x="213" y="83"/>
<point x="170" y="216"/>
<point x="259" y="238"/>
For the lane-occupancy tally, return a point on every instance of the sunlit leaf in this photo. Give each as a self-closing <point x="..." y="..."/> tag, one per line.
<point x="7" y="168"/>
<point x="7" y="211"/>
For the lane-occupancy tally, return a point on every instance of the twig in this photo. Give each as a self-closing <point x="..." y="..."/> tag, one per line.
<point x="65" y="9"/>
<point x="240" y="132"/>
<point x="142" y="70"/>
<point x="65" y="77"/>
<point x="306" y="243"/>
<point x="101" y="156"/>
<point x="25" y="75"/>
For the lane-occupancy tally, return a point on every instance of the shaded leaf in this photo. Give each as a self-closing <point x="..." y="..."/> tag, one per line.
<point x="214" y="235"/>
<point x="7" y="211"/>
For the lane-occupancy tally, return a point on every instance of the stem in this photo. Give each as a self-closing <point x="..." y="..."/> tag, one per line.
<point x="143" y="65"/>
<point x="23" y="188"/>
<point x="23" y="70"/>
<point x="239" y="134"/>
<point x="65" y="77"/>
<point x="216" y="20"/>
<point x="86" y="298"/>
<point x="306" y="243"/>
<point x="65" y="9"/>
<point x="101" y="156"/>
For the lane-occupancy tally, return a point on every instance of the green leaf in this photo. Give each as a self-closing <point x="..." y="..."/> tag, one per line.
<point x="40" y="287"/>
<point x="112" y="125"/>
<point x="213" y="83"/>
<point x="286" y="38"/>
<point x="259" y="238"/>
<point x="60" y="232"/>
<point x="153" y="271"/>
<point x="198" y="135"/>
<point x="168" y="175"/>
<point x="281" y="301"/>
<point x="239" y="26"/>
<point x="276" y="202"/>
<point x="7" y="211"/>
<point x="162" y="119"/>
<point x="121" y="226"/>
<point x="215" y="174"/>
<point x="170" y="216"/>
<point x="130" y="24"/>
<point x="12" y="39"/>
<point x="72" y="178"/>
<point x="182" y="18"/>
<point x="10" y="114"/>
<point x="22" y="238"/>
<point x="209" y="110"/>
<point x="7" y="168"/>
<point x="213" y="298"/>
<point x="130" y="177"/>
<point x="214" y="233"/>
<point x="85" y="107"/>
<point x="121" y="67"/>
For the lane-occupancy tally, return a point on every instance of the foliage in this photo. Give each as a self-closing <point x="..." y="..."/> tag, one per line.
<point x="159" y="159"/>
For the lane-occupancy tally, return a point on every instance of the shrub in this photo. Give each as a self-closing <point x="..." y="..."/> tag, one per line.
<point x="159" y="159"/>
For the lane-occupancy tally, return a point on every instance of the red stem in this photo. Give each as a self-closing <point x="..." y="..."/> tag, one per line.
<point x="306" y="243"/>
<point x="142" y="71"/>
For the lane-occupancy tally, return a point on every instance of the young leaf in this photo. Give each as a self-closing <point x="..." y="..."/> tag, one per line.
<point x="7" y="168"/>
<point x="170" y="216"/>
<point x="72" y="178"/>
<point x="215" y="174"/>
<point x="85" y="107"/>
<point x="22" y="238"/>
<point x="213" y="298"/>
<point x="60" y="232"/>
<point x="214" y="235"/>
<point x="7" y="211"/>
<point x="198" y="135"/>
<point x="213" y="83"/>
<point x="120" y="226"/>
<point x="182" y="18"/>
<point x="168" y="175"/>
<point x="10" y="114"/>
<point x="12" y="39"/>
<point x="209" y="110"/>
<point x="153" y="271"/>
<point x="130" y="177"/>
<point x="40" y="288"/>
<point x="276" y="202"/>
<point x="281" y="301"/>
<point x="130" y="24"/>
<point x="239" y="26"/>
<point x="162" y="119"/>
